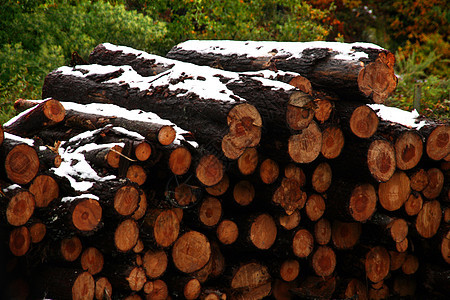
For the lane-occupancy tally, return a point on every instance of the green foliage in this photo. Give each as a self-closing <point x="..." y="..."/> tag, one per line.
<point x="435" y="96"/>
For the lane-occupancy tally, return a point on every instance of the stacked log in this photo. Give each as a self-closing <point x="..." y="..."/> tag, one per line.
<point x="267" y="172"/>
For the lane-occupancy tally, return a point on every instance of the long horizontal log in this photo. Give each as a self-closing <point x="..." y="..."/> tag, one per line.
<point x="214" y="115"/>
<point x="261" y="89"/>
<point x="359" y="69"/>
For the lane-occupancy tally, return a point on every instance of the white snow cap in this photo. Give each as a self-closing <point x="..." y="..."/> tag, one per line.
<point x="275" y="49"/>
<point x="397" y="115"/>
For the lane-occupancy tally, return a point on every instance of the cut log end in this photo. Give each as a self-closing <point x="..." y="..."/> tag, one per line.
<point x="192" y="289"/>
<point x="322" y="231"/>
<point x="315" y="207"/>
<point x="155" y="263"/>
<point x="394" y="193"/>
<point x="21" y="164"/>
<point x="438" y="143"/>
<point x="191" y="252"/>
<point x="227" y="232"/>
<point x="381" y="160"/>
<point x="289" y="195"/>
<point x="180" y="161"/>
<point x="209" y="170"/>
<point x="126" y="200"/>
<point x="377" y="79"/>
<point x="142" y="151"/>
<point x="71" y="248"/>
<point x="289" y="270"/>
<point x="210" y="211"/>
<point x="219" y="188"/>
<point x="166" y="228"/>
<point x="103" y="289"/>
<point x="377" y="264"/>
<point x="92" y="260"/>
<point x="302" y="243"/>
<point x="137" y="174"/>
<point x="345" y="235"/>
<point x="306" y="146"/>
<point x="289" y="222"/>
<point x="126" y="235"/>
<point x="87" y="215"/>
<point x="364" y="122"/>
<point x="363" y="201"/>
<point x="429" y="219"/>
<point x="136" y="279"/>
<point x="263" y="232"/>
<point x="113" y="156"/>
<point x="321" y="178"/>
<point x="83" y="287"/>
<point x="332" y="142"/>
<point x="269" y="171"/>
<point x="248" y="161"/>
<point x="166" y="135"/>
<point x="244" y="192"/>
<point x="19" y="241"/>
<point x="20" y="208"/>
<point x="45" y="189"/>
<point x="324" y="261"/>
<point x="408" y="150"/>
<point x="37" y="232"/>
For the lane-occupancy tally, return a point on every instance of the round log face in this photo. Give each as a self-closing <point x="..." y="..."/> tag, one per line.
<point x="21" y="164"/>
<point x="210" y="211"/>
<point x="249" y="276"/>
<point x="20" y="208"/>
<point x="243" y="192"/>
<point x="429" y="219"/>
<point x="192" y="289"/>
<point x="126" y="235"/>
<point x="71" y="248"/>
<point x="209" y="170"/>
<point x="289" y="270"/>
<point x="103" y="288"/>
<point x="377" y="264"/>
<point x="381" y="160"/>
<point x="364" y="122"/>
<point x="54" y="110"/>
<point x="324" y="261"/>
<point x="302" y="243"/>
<point x="220" y="188"/>
<point x="227" y="232"/>
<point x="321" y="178"/>
<point x="394" y="193"/>
<point x="263" y="232"/>
<point x="113" y="156"/>
<point x="408" y="150"/>
<point x="248" y="161"/>
<point x="345" y="235"/>
<point x="332" y="142"/>
<point x="45" y="189"/>
<point x="92" y="260"/>
<point x="305" y="146"/>
<point x="269" y="171"/>
<point x="322" y="231"/>
<point x="83" y="287"/>
<point x="363" y="201"/>
<point x="438" y="143"/>
<point x="19" y="241"/>
<point x="166" y="135"/>
<point x="191" y="252"/>
<point x="166" y="228"/>
<point x="37" y="232"/>
<point x="445" y="247"/>
<point x="435" y="183"/>
<point x="155" y="263"/>
<point x="180" y="161"/>
<point x="87" y="215"/>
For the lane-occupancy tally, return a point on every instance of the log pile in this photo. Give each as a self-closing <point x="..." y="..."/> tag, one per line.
<point x="228" y="170"/>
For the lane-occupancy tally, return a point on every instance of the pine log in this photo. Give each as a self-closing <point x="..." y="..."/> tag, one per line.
<point x="363" y="121"/>
<point x="270" y="98"/>
<point x="251" y="281"/>
<point x="289" y="195"/>
<point x="289" y="222"/>
<point x="160" y="291"/>
<point x="103" y="289"/>
<point x="92" y="260"/>
<point x="45" y="114"/>
<point x="126" y="235"/>
<point x="155" y="263"/>
<point x="268" y="171"/>
<point x="429" y="219"/>
<point x="227" y="232"/>
<point x="20" y="159"/>
<point x="345" y="235"/>
<point x="219" y="188"/>
<point x="263" y="231"/>
<point x="210" y="211"/>
<point x="18" y="205"/>
<point x="377" y="264"/>
<point x="322" y="231"/>
<point x="394" y="192"/>
<point x="435" y="183"/>
<point x="305" y="147"/>
<point x="45" y="189"/>
<point x="315" y="207"/>
<point x="419" y="180"/>
<point x="180" y="160"/>
<point x="37" y="231"/>
<point x="358" y="69"/>
<point x="289" y="270"/>
<point x="323" y="261"/>
<point x="332" y="142"/>
<point x="248" y="161"/>
<point x="244" y="192"/>
<point x="321" y="177"/>
<point x="70" y="248"/>
<point x="302" y="243"/>
<point x="191" y="252"/>
<point x="438" y="142"/>
<point x="19" y="241"/>
<point x="162" y="226"/>
<point x="352" y="201"/>
<point x="408" y="150"/>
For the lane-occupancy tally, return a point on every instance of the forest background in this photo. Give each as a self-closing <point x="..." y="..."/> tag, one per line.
<point x="37" y="36"/>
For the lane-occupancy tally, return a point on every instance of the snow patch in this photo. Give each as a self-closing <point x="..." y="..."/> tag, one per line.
<point x="397" y="115"/>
